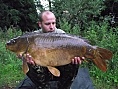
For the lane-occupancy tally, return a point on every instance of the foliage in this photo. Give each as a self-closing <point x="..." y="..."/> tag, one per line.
<point x="68" y="28"/>
<point x="10" y="73"/>
<point x="78" y="11"/>
<point x="18" y="13"/>
<point x="39" y="6"/>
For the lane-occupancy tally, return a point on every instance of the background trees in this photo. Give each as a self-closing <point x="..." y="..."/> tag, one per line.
<point x="21" y="13"/>
<point x="78" y="12"/>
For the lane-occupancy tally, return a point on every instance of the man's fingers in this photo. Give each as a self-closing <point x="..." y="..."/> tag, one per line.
<point x="83" y="58"/>
<point x="29" y="59"/>
<point x="19" y="56"/>
<point x="72" y="61"/>
<point x="77" y="60"/>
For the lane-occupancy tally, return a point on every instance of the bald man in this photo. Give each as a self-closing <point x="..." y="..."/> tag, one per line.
<point x="39" y="77"/>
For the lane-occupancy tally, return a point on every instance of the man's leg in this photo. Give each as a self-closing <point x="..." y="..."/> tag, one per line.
<point x="26" y="84"/>
<point x="82" y="80"/>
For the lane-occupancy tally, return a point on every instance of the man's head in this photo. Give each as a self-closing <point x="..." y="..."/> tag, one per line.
<point x="47" y="21"/>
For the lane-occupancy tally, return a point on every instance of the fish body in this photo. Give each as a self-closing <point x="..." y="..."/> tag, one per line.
<point x="57" y="49"/>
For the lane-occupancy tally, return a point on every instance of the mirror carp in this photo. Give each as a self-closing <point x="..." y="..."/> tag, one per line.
<point x="57" y="49"/>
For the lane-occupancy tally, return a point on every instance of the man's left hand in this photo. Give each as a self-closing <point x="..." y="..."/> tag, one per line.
<point x="77" y="60"/>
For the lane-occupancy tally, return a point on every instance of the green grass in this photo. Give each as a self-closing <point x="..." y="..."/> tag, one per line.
<point x="102" y="35"/>
<point x="11" y="67"/>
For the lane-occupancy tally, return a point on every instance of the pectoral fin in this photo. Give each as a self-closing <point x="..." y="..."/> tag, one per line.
<point x="25" y="67"/>
<point x="54" y="71"/>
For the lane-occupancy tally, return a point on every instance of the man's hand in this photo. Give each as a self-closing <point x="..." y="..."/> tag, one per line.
<point x="77" y="60"/>
<point x="28" y="59"/>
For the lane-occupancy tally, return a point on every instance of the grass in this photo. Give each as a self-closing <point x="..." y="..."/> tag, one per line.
<point x="11" y="69"/>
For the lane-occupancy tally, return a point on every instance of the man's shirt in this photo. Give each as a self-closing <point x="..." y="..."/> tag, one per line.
<point x="55" y="31"/>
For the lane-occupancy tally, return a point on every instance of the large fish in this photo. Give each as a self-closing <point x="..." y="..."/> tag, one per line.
<point x="56" y="49"/>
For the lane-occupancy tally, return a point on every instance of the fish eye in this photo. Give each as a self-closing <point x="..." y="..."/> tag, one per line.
<point x="12" y="41"/>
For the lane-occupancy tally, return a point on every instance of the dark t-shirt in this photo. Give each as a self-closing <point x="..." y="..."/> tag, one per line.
<point x="42" y="78"/>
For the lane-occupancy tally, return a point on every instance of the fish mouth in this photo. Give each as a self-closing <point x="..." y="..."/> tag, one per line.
<point x="9" y="46"/>
<point x="6" y="45"/>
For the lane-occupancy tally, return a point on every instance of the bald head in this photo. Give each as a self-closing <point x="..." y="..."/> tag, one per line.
<point x="46" y="14"/>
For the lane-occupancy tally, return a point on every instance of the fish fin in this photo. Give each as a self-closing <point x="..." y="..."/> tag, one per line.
<point x="100" y="63"/>
<point x="101" y="56"/>
<point x="25" y="66"/>
<point x="54" y="71"/>
<point x="105" y="54"/>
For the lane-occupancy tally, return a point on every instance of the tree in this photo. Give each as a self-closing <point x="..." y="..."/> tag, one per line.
<point x="20" y="13"/>
<point x="82" y="12"/>
<point x="78" y="12"/>
<point x="39" y="6"/>
<point x="112" y="11"/>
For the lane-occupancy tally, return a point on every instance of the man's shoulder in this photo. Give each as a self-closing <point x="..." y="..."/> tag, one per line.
<point x="59" y="31"/>
<point x="39" y="30"/>
<point x="55" y="31"/>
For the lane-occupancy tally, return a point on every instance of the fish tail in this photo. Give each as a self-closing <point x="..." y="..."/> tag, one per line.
<point x="100" y="58"/>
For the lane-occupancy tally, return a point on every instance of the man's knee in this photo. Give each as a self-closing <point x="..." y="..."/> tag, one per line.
<point x="82" y="80"/>
<point x="26" y="84"/>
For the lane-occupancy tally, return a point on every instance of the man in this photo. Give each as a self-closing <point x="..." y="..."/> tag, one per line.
<point x="39" y="77"/>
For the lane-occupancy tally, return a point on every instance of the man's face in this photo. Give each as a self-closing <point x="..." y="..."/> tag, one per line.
<point x="49" y="22"/>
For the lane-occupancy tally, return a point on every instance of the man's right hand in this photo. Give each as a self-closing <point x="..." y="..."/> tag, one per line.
<point x="28" y="58"/>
